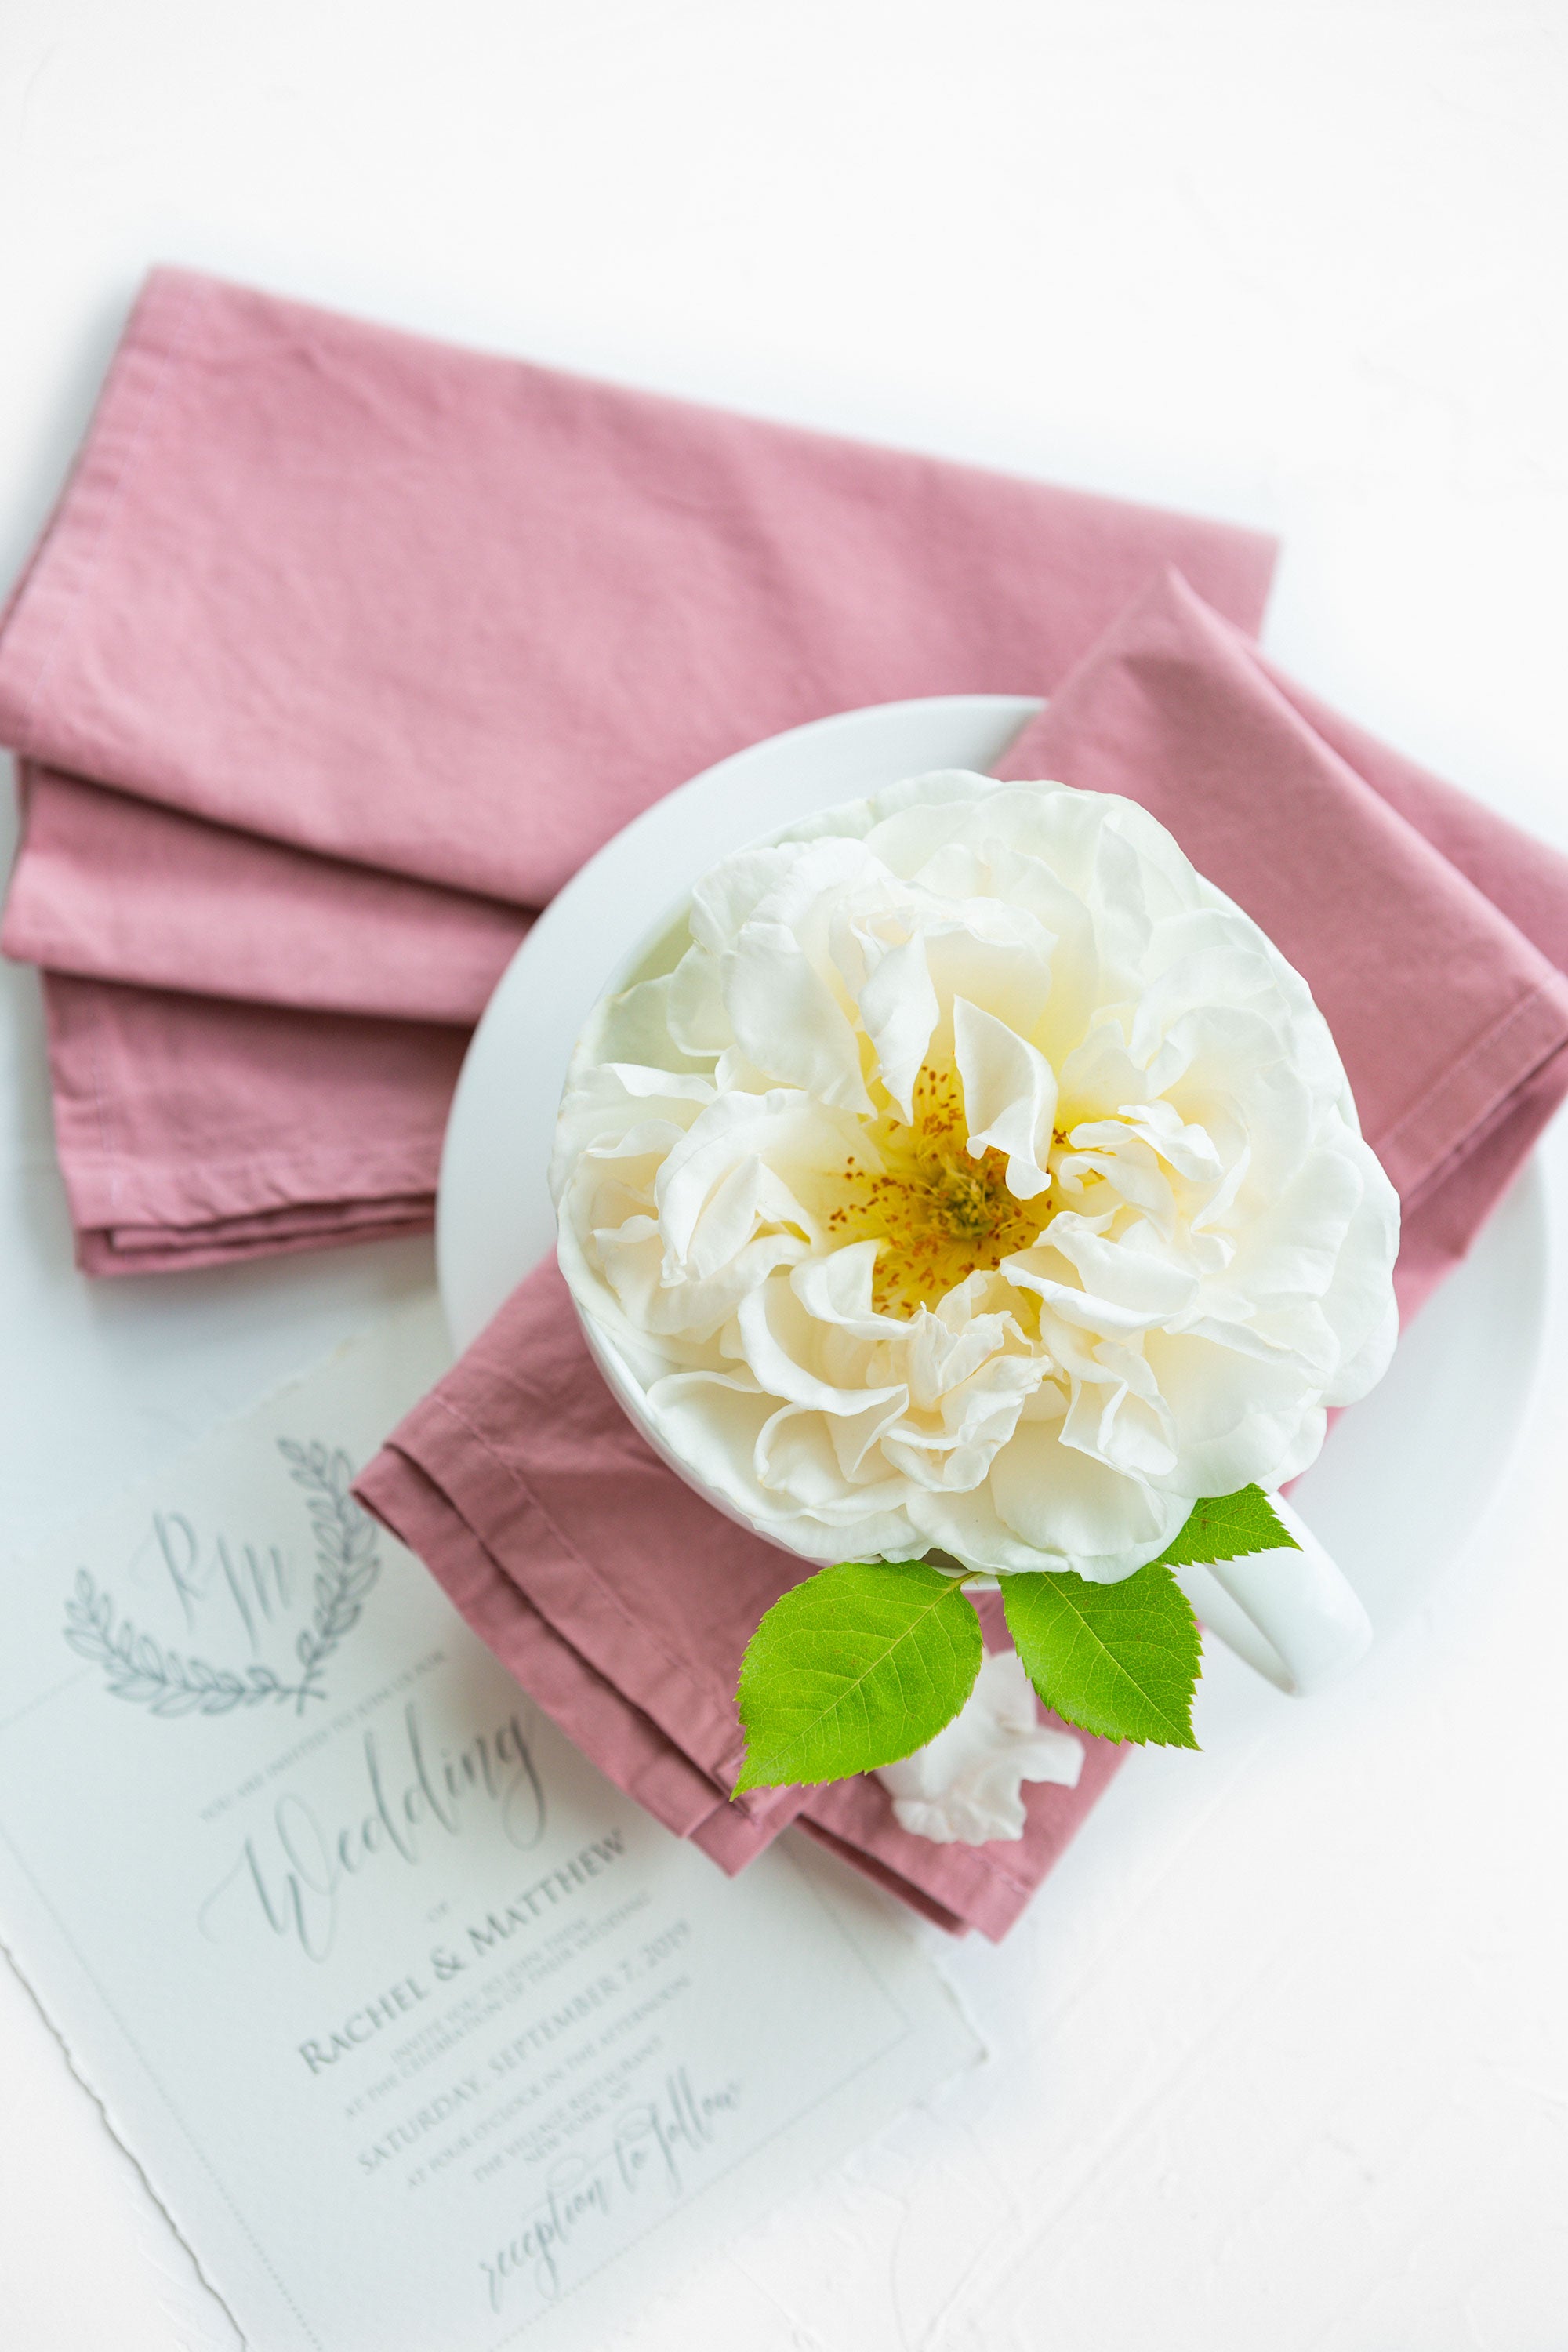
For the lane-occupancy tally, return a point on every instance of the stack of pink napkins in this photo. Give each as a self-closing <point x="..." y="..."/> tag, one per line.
<point x="343" y="650"/>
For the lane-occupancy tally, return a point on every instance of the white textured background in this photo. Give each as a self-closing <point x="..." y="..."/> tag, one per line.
<point x="1285" y="2040"/>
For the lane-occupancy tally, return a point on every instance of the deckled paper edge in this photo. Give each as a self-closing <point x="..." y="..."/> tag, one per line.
<point x="178" y="2297"/>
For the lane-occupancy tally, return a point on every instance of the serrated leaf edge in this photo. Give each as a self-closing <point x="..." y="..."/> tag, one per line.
<point x="1186" y="1738"/>
<point x="1281" y="1539"/>
<point x="751" y="1770"/>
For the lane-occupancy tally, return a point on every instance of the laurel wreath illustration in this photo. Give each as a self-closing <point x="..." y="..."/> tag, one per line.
<point x="168" y="1683"/>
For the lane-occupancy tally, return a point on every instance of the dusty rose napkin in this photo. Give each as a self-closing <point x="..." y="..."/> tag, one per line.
<point x="622" y="1602"/>
<point x="1434" y="938"/>
<point x="343" y="649"/>
<point x="1434" y="934"/>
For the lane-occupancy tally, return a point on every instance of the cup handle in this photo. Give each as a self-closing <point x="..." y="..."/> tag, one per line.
<point x="1291" y="1614"/>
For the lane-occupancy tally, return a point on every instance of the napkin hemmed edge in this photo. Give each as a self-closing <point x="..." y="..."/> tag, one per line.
<point x="121" y="1252"/>
<point x="648" y="1766"/>
<point x="37" y="619"/>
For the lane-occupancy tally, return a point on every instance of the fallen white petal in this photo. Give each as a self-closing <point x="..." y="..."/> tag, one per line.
<point x="966" y="1787"/>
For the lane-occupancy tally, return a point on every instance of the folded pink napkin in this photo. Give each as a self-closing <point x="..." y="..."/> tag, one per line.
<point x="345" y="649"/>
<point x="1434" y="934"/>
<point x="197" y="1131"/>
<point x="1434" y="937"/>
<point x="622" y="1602"/>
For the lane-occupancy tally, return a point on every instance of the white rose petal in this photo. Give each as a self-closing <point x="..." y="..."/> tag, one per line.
<point x="966" y="1787"/>
<point x="1009" y="1097"/>
<point x="979" y="1182"/>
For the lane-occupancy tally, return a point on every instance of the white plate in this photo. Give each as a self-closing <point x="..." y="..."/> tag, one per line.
<point x="1405" y="1476"/>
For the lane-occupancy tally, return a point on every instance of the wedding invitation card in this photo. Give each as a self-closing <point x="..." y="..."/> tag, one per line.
<point x="421" y="2032"/>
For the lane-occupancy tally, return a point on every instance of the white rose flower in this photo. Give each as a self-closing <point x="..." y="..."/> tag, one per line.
<point x="967" y="1176"/>
<point x="966" y="1785"/>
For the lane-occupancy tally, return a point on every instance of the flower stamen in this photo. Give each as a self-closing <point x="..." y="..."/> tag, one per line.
<point x="939" y="1213"/>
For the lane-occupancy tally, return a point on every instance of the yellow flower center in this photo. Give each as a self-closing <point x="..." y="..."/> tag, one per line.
<point x="940" y="1214"/>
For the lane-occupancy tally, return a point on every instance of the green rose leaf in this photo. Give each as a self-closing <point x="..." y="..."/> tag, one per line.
<point x="856" y="1667"/>
<point x="1226" y="1527"/>
<point x="1118" y="1659"/>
